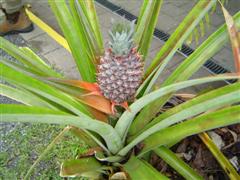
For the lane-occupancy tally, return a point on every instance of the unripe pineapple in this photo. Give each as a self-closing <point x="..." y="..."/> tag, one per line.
<point x="121" y="69"/>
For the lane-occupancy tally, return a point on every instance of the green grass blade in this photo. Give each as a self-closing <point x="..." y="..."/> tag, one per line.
<point x="83" y="136"/>
<point x="177" y="163"/>
<point x="194" y="126"/>
<point x="197" y="105"/>
<point x="222" y="160"/>
<point x="126" y="119"/>
<point x="73" y="34"/>
<point x="44" y="153"/>
<point x="18" y="113"/>
<point x="140" y="169"/>
<point x="187" y="68"/>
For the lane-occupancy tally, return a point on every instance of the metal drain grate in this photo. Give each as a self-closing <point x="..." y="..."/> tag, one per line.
<point x="210" y="65"/>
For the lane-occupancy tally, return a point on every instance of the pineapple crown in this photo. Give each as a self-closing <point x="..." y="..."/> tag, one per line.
<point x="121" y="37"/>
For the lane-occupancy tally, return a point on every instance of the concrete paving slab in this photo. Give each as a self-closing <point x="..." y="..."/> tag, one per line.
<point x="42" y="10"/>
<point x="180" y="4"/>
<point x="61" y="59"/>
<point x="106" y="18"/>
<point x="72" y="73"/>
<point x="44" y="44"/>
<point x="172" y="10"/>
<point x="128" y="5"/>
<point x="36" y="32"/>
<point x="176" y="60"/>
<point x="156" y="44"/>
<point x="225" y="58"/>
<point x="100" y="10"/>
<point x="166" y="23"/>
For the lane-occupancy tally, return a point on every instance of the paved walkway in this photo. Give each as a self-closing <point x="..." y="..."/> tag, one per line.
<point x="172" y="12"/>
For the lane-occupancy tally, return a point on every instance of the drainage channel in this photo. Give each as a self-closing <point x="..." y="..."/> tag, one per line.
<point x="186" y="51"/>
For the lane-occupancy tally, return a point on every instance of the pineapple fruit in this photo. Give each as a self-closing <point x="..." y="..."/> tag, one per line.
<point x="120" y="69"/>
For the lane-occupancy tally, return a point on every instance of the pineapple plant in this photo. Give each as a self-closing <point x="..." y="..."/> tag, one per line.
<point x="115" y="76"/>
<point x="121" y="68"/>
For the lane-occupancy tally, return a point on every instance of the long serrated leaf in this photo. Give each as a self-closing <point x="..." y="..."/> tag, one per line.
<point x="207" y="19"/>
<point x="92" y="19"/>
<point x="147" y="35"/>
<point x="194" y="126"/>
<point x="187" y="68"/>
<point x="176" y="40"/>
<point x="80" y="167"/>
<point x="42" y="89"/>
<point x="176" y="163"/>
<point x="214" y="8"/>
<point x="142" y="88"/>
<point x="202" y="28"/>
<point x="145" y="14"/>
<point x="99" y="104"/>
<point x="72" y="32"/>
<point x="20" y="67"/>
<point x="84" y="95"/>
<point x="234" y="35"/>
<point x="189" y="39"/>
<point x="204" y="102"/>
<point x="24" y="97"/>
<point x="196" y="35"/>
<point x="53" y="96"/>
<point x="85" y="34"/>
<point x="19" y="113"/>
<point x="137" y="168"/>
<point x="185" y="112"/>
<point x="82" y="85"/>
<point x="28" y="58"/>
<point x="141" y="14"/>
<point x="181" y="33"/>
<point x="74" y="91"/>
<point x="126" y="119"/>
<point x="31" y="54"/>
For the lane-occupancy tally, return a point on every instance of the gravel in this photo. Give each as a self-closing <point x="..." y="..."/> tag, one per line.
<point x="8" y="127"/>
